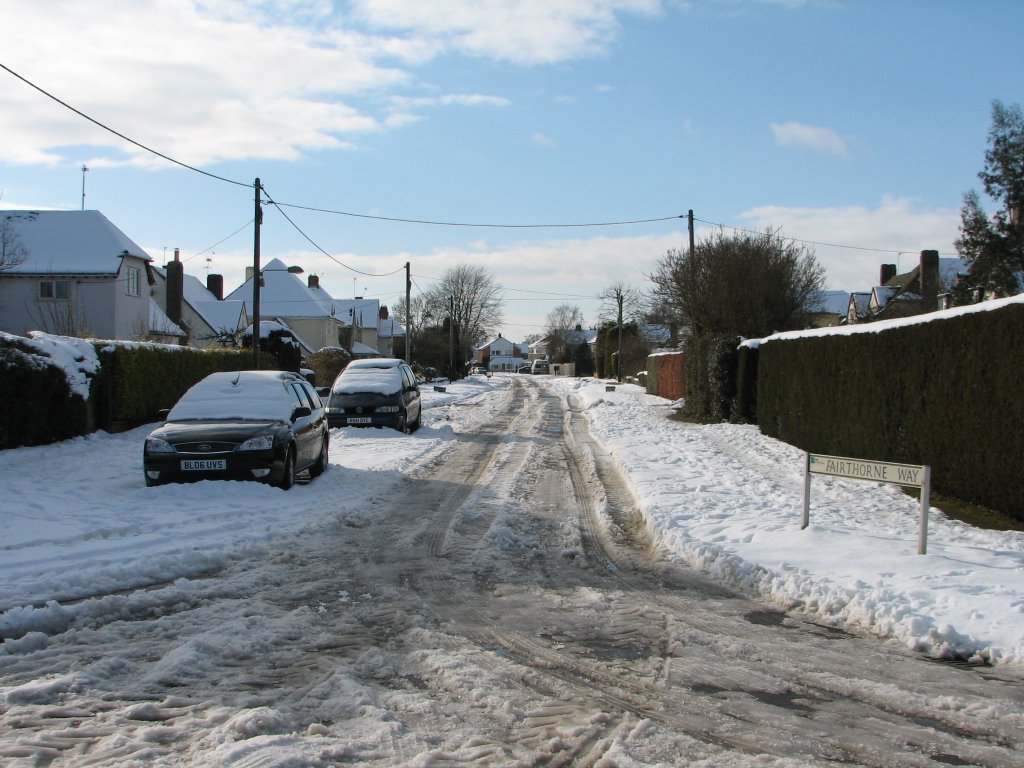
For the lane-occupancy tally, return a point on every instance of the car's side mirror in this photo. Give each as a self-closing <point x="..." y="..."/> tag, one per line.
<point x="163" y="413"/>
<point x="324" y="392"/>
<point x="301" y="412"/>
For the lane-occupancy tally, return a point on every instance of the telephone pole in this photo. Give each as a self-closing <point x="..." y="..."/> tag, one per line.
<point x="689" y="221"/>
<point x="408" y="313"/>
<point x="256" y="277"/>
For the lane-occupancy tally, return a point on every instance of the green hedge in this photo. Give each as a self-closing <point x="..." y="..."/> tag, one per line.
<point x="945" y="393"/>
<point x="37" y="405"/>
<point x="711" y="362"/>
<point x="137" y="382"/>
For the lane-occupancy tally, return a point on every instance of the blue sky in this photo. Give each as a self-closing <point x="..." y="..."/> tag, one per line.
<point x="858" y="124"/>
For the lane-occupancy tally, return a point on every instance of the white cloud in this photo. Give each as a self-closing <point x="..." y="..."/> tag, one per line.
<point x="543" y="140"/>
<point x="520" y="31"/>
<point x="211" y="80"/>
<point x="896" y="229"/>
<point x="823" y="140"/>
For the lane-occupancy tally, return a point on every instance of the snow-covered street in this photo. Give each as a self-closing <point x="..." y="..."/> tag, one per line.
<point x="550" y="572"/>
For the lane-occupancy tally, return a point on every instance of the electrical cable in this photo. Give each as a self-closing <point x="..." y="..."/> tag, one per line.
<point x="298" y="229"/>
<point x="478" y="224"/>
<point x="121" y="135"/>
<point x="210" y="248"/>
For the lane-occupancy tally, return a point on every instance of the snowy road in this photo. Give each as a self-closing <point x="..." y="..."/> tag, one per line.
<point x="492" y="601"/>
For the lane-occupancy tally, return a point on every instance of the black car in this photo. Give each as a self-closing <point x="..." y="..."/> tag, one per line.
<point x="241" y="425"/>
<point x="378" y="392"/>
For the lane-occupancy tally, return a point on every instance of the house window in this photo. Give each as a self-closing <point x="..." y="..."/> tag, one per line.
<point x="55" y="289"/>
<point x="134" y="276"/>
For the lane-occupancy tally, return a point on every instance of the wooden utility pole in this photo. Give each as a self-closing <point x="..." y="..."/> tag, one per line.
<point x="256" y="277"/>
<point x="408" y="313"/>
<point x="689" y="221"/>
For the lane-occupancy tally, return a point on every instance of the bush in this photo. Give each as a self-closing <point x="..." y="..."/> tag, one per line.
<point x="711" y="363"/>
<point x="327" y="363"/>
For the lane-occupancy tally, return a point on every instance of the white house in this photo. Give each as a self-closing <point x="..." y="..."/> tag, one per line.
<point x="72" y="273"/>
<point x="501" y="354"/>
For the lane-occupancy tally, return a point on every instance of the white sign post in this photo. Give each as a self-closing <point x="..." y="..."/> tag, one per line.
<point x="910" y="475"/>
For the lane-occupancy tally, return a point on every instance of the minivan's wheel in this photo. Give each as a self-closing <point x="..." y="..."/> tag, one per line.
<point x="403" y="425"/>
<point x="321" y="462"/>
<point x="418" y="423"/>
<point x="288" y="478"/>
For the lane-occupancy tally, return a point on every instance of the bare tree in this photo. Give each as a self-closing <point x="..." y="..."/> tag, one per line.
<point x="622" y="302"/>
<point x="12" y="251"/>
<point x="559" y="326"/>
<point x="472" y="299"/>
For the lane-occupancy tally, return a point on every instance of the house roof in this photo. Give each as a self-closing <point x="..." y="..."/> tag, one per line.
<point x="832" y="303"/>
<point x="283" y="294"/>
<point x="220" y="315"/>
<point x="389" y="328"/>
<point x="161" y="324"/>
<point x="69" y="243"/>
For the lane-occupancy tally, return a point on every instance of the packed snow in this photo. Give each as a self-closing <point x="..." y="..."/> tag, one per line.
<point x="79" y="522"/>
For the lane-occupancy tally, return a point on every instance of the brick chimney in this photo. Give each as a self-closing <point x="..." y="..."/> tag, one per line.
<point x="313" y="281"/>
<point x="886" y="273"/>
<point x="175" y="287"/>
<point x="384" y="312"/>
<point x="929" y="277"/>
<point x="215" y="285"/>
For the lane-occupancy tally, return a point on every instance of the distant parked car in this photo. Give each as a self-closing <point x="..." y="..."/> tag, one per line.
<point x="241" y="425"/>
<point x="478" y="369"/>
<point x="524" y="369"/>
<point x="378" y="392"/>
<point x="540" y="366"/>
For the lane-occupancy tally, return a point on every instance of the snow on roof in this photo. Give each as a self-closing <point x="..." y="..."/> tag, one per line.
<point x="160" y="323"/>
<point x="69" y="242"/>
<point x="235" y="395"/>
<point x="221" y="315"/>
<point x="388" y="328"/>
<point x="361" y="349"/>
<point x="283" y="294"/>
<point x="832" y="302"/>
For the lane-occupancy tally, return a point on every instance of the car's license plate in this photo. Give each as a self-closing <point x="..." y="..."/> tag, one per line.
<point x="359" y="420"/>
<point x="203" y="465"/>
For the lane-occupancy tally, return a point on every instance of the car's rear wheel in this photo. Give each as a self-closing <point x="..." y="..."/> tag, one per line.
<point x="288" y="478"/>
<point x="320" y="466"/>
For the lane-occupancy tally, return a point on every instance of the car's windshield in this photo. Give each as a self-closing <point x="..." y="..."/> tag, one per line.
<point x="384" y="381"/>
<point x="226" y="397"/>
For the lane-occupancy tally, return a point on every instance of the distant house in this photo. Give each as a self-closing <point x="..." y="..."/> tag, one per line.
<point x="390" y="334"/>
<point x="501" y="354"/>
<point x="73" y="273"/>
<point x="830" y="308"/>
<point x="200" y="310"/>
<point x="911" y="293"/>
<point x="305" y="308"/>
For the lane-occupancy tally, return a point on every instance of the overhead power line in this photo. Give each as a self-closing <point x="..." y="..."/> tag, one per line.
<point x="401" y="220"/>
<point x="435" y="223"/>
<point x="120" y="135"/>
<point x="806" y="242"/>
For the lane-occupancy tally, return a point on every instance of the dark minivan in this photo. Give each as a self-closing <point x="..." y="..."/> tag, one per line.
<point x="376" y="392"/>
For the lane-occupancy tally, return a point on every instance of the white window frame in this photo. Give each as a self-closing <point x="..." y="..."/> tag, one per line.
<point x="133" y="286"/>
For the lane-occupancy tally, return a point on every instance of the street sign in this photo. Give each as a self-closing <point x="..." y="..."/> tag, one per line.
<point x="858" y="469"/>
<point x="910" y="475"/>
